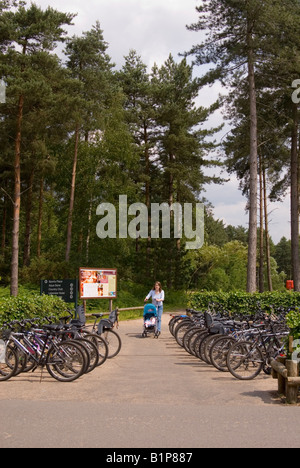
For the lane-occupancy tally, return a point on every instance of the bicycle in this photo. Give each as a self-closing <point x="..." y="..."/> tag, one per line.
<point x="65" y="360"/>
<point x="8" y="359"/>
<point x="105" y="330"/>
<point x="35" y="346"/>
<point x="247" y="359"/>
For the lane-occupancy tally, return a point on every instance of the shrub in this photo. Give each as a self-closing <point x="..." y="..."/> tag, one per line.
<point x="241" y="302"/>
<point x="30" y="306"/>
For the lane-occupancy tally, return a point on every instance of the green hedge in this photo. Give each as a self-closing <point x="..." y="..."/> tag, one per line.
<point x="30" y="306"/>
<point x="240" y="302"/>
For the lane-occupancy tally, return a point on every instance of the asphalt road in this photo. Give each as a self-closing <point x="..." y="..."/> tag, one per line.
<point x="153" y="395"/>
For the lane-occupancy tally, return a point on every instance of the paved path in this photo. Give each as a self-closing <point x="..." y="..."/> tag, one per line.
<point x="153" y="395"/>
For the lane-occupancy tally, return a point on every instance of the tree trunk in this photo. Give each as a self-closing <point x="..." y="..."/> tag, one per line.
<point x="88" y="237"/>
<point x="72" y="196"/>
<point x="14" y="286"/>
<point x="27" y="243"/>
<point x="261" y="211"/>
<point x="147" y="191"/>
<point x="171" y="201"/>
<point x="295" y="200"/>
<point x="4" y="220"/>
<point x="252" y="249"/>
<point x="268" y="250"/>
<point x="40" y="218"/>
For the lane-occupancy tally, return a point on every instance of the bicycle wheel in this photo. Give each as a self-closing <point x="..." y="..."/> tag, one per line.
<point x="113" y="341"/>
<point x="198" y="344"/>
<point x="9" y="366"/>
<point x="219" y="351"/>
<point x="245" y="360"/>
<point x="188" y="336"/>
<point x="92" y="351"/>
<point x="22" y="358"/>
<point x="101" y="345"/>
<point x="181" y="331"/>
<point x="66" y="361"/>
<point x="195" y="341"/>
<point x="208" y="344"/>
<point x="174" y="323"/>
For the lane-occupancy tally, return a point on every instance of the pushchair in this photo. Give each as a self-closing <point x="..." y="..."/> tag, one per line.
<point x="150" y="321"/>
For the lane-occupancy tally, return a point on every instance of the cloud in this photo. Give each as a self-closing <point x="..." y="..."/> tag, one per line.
<point x="156" y="28"/>
<point x="230" y="206"/>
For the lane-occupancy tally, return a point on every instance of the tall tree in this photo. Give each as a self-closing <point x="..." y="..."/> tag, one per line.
<point x="234" y="43"/>
<point x="181" y="140"/>
<point x="140" y="116"/>
<point x="91" y="66"/>
<point x="31" y="33"/>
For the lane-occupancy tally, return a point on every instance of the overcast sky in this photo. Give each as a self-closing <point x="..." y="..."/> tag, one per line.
<point x="156" y="28"/>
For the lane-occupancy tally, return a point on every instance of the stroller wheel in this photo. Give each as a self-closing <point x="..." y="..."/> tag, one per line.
<point x="144" y="335"/>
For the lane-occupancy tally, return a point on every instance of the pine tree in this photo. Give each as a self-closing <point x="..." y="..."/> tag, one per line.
<point x="91" y="66"/>
<point x="181" y="141"/>
<point x="245" y="40"/>
<point x="36" y="33"/>
<point x="232" y="44"/>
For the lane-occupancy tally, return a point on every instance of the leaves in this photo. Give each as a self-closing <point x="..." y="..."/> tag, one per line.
<point x="31" y="306"/>
<point x="241" y="302"/>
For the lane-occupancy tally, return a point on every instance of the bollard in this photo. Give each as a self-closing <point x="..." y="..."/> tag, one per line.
<point x="292" y="382"/>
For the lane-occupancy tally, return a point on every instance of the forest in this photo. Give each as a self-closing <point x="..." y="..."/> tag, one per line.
<point x="76" y="132"/>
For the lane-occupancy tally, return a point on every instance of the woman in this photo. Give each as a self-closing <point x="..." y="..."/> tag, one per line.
<point x="158" y="297"/>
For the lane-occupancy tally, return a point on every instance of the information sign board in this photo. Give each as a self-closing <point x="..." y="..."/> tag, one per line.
<point x="98" y="283"/>
<point x="67" y="290"/>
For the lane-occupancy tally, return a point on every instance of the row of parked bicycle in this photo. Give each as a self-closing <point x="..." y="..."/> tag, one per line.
<point x="67" y="349"/>
<point x="242" y="345"/>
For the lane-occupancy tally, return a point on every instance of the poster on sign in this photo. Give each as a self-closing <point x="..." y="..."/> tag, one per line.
<point x="98" y="283"/>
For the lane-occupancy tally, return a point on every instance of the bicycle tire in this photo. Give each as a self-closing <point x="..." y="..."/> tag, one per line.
<point x="187" y="337"/>
<point x="195" y="340"/>
<point x="113" y="342"/>
<point x="22" y="358"/>
<point x="245" y="360"/>
<point x="93" y="353"/>
<point x="178" y="325"/>
<point x="9" y="368"/>
<point x="181" y="331"/>
<point x="209" y="342"/>
<point x="199" y="343"/>
<point x="63" y="357"/>
<point x="101" y="346"/>
<point x="172" y="323"/>
<point x="219" y="351"/>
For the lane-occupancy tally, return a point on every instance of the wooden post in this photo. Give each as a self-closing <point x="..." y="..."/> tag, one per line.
<point x="281" y="378"/>
<point x="292" y="390"/>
